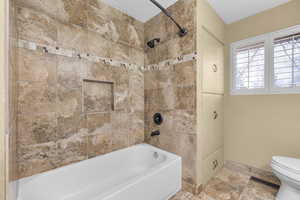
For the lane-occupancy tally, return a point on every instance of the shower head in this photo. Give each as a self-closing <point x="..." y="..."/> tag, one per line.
<point x="152" y="43"/>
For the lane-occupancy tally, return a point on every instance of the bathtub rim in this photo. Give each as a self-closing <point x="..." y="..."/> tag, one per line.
<point x="169" y="155"/>
<point x="171" y="159"/>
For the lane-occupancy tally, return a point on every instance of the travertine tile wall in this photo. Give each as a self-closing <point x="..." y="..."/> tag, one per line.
<point x="172" y="89"/>
<point x="70" y="109"/>
<point x="12" y="83"/>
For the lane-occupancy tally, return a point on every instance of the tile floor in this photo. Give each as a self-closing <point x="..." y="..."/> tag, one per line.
<point x="230" y="185"/>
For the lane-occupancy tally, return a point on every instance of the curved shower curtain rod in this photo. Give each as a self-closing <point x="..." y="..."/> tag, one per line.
<point x="182" y="31"/>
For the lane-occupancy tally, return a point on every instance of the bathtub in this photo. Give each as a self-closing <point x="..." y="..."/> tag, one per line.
<point x="140" y="172"/>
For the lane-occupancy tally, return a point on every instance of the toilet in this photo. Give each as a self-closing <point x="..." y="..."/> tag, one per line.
<point x="288" y="171"/>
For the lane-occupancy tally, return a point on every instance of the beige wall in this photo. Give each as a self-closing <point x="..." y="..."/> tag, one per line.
<point x="258" y="127"/>
<point x="2" y="99"/>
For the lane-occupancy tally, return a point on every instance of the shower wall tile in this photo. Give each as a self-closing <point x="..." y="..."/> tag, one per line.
<point x="186" y="98"/>
<point x="71" y="109"/>
<point x="157" y="54"/>
<point x="99" y="71"/>
<point x="106" y="12"/>
<point x="36" y="26"/>
<point x="136" y="135"/>
<point x="137" y="56"/>
<point x="98" y="124"/>
<point x="181" y="46"/>
<point x="68" y="126"/>
<point x="100" y="23"/>
<point x="121" y="123"/>
<point x="109" y="23"/>
<point x="28" y="60"/>
<point x="69" y="104"/>
<point x="44" y="6"/>
<point x="99" y="144"/>
<point x="157" y="27"/>
<point x="171" y="89"/>
<point x="119" y="141"/>
<point x="121" y="89"/>
<point x="185" y="13"/>
<point x="11" y="149"/>
<point x="136" y="91"/>
<point x="69" y="73"/>
<point x="36" y="97"/>
<point x="73" y="12"/>
<point x="97" y="45"/>
<point x="135" y="36"/>
<point x="150" y="79"/>
<point x="160" y="99"/>
<point x="184" y="121"/>
<point x="71" y="36"/>
<point x="165" y="77"/>
<point x="150" y="56"/>
<point x="119" y="52"/>
<point x="185" y="147"/>
<point x="34" y="159"/>
<point x="36" y="129"/>
<point x="72" y="150"/>
<point x="184" y="73"/>
<point x="97" y="96"/>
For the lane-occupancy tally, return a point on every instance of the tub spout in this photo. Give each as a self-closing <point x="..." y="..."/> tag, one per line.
<point x="155" y="133"/>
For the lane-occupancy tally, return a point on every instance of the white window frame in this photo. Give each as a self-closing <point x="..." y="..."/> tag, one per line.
<point x="236" y="45"/>
<point x="273" y="36"/>
<point x="269" y="64"/>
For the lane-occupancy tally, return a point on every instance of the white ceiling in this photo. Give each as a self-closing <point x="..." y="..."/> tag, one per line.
<point x="142" y="10"/>
<point x="233" y="10"/>
<point x="229" y="10"/>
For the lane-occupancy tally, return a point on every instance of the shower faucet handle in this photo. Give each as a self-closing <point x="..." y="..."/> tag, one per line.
<point x="155" y="133"/>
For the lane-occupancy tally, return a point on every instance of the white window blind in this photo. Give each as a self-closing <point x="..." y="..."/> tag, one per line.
<point x="267" y="64"/>
<point x="286" y="61"/>
<point x="249" y="67"/>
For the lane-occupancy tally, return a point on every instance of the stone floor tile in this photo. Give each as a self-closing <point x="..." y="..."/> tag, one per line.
<point x="235" y="179"/>
<point x="186" y="196"/>
<point x="204" y="196"/>
<point x="258" y="191"/>
<point x="231" y="185"/>
<point x="221" y="190"/>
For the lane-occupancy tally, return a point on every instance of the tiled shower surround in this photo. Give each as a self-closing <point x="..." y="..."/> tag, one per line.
<point x="70" y="108"/>
<point x="171" y="91"/>
<point x="74" y="102"/>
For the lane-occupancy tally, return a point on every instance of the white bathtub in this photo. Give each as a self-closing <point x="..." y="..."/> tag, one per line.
<point x="140" y="172"/>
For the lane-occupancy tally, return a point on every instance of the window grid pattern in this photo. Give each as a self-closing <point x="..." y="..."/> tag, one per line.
<point x="287" y="61"/>
<point x="249" y="70"/>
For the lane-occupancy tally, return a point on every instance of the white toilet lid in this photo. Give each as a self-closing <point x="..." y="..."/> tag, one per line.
<point x="291" y="164"/>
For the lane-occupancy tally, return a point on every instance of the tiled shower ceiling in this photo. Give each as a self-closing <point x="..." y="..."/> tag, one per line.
<point x="142" y="10"/>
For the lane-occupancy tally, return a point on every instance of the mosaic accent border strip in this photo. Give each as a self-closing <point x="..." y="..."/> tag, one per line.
<point x="164" y="64"/>
<point x="108" y="61"/>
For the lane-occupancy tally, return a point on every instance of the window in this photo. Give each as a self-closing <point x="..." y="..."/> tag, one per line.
<point x="249" y="66"/>
<point x="287" y="61"/>
<point x="267" y="64"/>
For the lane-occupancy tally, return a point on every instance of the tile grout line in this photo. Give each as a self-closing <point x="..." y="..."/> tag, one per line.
<point x="107" y="61"/>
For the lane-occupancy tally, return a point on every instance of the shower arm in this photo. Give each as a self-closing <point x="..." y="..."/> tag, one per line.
<point x="182" y="31"/>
